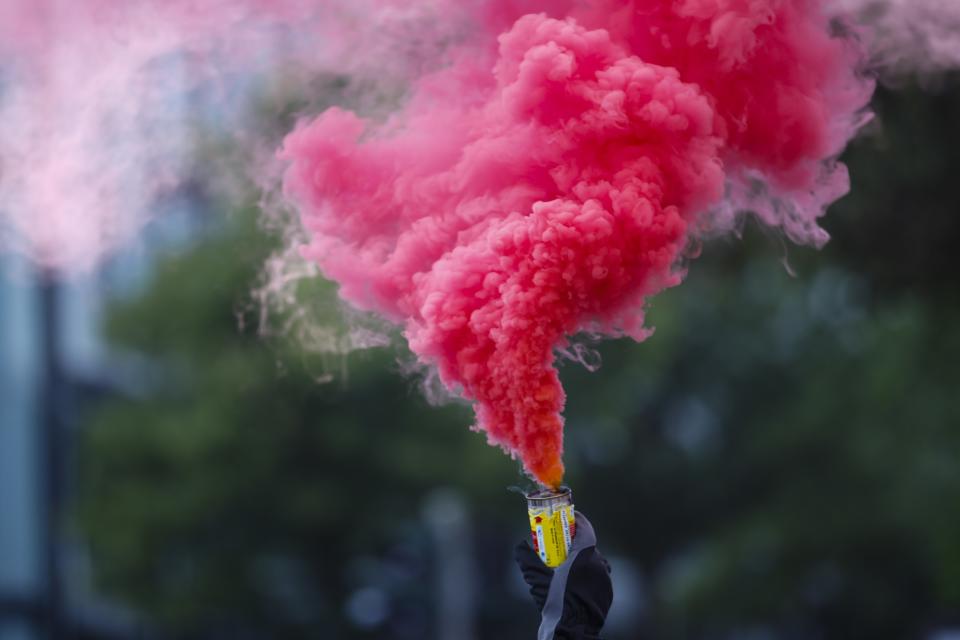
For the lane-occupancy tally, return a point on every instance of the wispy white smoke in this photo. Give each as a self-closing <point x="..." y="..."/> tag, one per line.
<point x="909" y="36"/>
<point x="100" y="100"/>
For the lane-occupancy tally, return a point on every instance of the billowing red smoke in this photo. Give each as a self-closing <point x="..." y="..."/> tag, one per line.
<point x="549" y="185"/>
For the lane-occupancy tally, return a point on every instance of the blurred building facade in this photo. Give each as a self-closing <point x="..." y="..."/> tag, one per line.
<point x="52" y="361"/>
<point x="21" y="581"/>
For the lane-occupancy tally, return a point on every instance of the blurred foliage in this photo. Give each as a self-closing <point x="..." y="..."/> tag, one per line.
<point x="238" y="498"/>
<point x="778" y="461"/>
<point x="899" y="226"/>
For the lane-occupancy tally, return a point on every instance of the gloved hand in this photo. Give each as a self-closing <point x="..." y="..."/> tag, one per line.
<point x="575" y="597"/>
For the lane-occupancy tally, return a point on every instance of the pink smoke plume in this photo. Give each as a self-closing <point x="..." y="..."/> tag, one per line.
<point x="548" y="181"/>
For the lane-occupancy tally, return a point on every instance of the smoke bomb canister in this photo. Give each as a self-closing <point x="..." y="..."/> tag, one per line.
<point x="552" y="524"/>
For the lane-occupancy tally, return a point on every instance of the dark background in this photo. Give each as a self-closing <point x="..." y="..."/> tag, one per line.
<point x="778" y="461"/>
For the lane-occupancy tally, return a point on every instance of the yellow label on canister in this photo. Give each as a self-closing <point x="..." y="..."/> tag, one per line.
<point x="552" y="531"/>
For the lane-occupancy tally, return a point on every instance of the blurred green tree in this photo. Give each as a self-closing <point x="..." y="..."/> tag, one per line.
<point x="792" y="454"/>
<point x="778" y="461"/>
<point x="239" y="493"/>
<point x="791" y="468"/>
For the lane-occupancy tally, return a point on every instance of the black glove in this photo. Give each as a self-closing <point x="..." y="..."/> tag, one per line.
<point x="575" y="597"/>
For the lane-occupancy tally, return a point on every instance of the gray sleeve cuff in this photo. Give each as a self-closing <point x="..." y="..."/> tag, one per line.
<point x="553" y="607"/>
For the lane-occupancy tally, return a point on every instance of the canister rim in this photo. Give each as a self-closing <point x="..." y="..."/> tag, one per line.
<point x="545" y="497"/>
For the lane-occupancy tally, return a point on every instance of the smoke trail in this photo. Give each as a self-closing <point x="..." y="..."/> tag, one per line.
<point x="500" y="213"/>
<point x="100" y="99"/>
